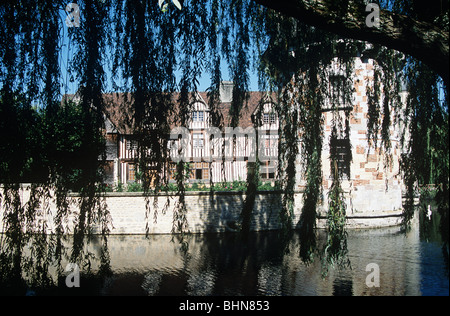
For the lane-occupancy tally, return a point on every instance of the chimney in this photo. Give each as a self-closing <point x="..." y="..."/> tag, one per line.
<point x="226" y="91"/>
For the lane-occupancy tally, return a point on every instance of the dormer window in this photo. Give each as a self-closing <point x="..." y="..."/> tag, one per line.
<point x="198" y="116"/>
<point x="269" y="118"/>
<point x="272" y="118"/>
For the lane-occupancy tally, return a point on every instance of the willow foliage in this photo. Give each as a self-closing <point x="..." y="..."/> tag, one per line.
<point x="154" y="53"/>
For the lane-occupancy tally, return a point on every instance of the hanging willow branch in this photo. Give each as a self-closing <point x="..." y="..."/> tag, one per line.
<point x="287" y="112"/>
<point x="312" y="130"/>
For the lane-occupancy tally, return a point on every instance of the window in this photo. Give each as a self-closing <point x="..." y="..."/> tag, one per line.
<point x="197" y="140"/>
<point x="131" y="144"/>
<point x="205" y="174"/>
<point x="273" y="118"/>
<point x="337" y="90"/>
<point x="340" y="148"/>
<point x="267" y="170"/>
<point x="172" y="170"/>
<point x="131" y="172"/>
<point x="199" y="171"/>
<point x="269" y="118"/>
<point x="269" y="145"/>
<point x="198" y="116"/>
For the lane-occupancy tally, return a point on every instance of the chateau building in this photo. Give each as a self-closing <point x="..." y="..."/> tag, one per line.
<point x="223" y="155"/>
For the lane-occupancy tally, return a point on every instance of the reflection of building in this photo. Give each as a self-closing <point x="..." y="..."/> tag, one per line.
<point x="221" y="266"/>
<point x="218" y="155"/>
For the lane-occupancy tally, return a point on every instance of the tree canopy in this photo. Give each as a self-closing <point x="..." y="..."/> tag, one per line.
<point x="416" y="28"/>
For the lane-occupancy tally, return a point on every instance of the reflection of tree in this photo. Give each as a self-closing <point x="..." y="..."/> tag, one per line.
<point x="151" y="283"/>
<point x="234" y="264"/>
<point x="201" y="284"/>
<point x="35" y="266"/>
<point x="269" y="280"/>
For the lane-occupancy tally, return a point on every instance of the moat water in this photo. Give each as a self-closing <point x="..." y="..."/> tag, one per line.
<point x="222" y="264"/>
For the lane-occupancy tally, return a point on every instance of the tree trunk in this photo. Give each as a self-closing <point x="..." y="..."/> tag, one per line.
<point x="420" y="39"/>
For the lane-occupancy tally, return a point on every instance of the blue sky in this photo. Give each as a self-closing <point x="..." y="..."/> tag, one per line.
<point x="68" y="50"/>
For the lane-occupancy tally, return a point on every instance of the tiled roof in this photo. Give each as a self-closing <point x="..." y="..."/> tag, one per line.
<point x="119" y="109"/>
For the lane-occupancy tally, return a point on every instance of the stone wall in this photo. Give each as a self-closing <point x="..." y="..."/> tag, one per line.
<point x="374" y="187"/>
<point x="210" y="212"/>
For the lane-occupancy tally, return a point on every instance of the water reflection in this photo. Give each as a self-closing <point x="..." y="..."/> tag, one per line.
<point x="221" y="264"/>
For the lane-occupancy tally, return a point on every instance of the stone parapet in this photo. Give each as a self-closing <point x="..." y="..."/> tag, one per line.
<point x="218" y="211"/>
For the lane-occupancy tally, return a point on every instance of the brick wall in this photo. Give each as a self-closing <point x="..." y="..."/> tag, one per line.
<point x="373" y="187"/>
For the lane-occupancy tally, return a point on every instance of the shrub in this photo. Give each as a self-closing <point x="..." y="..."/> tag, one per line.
<point x="134" y="187"/>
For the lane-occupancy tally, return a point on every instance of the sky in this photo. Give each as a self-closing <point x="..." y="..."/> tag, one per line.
<point x="69" y="86"/>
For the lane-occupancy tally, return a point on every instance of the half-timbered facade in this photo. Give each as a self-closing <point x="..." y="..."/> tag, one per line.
<point x="223" y="154"/>
<point x="213" y="154"/>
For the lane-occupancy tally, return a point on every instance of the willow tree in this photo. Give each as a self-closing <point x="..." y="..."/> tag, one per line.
<point x="154" y="52"/>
